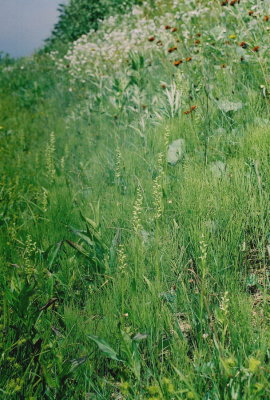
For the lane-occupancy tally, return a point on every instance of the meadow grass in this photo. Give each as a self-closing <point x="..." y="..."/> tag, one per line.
<point x="124" y="274"/>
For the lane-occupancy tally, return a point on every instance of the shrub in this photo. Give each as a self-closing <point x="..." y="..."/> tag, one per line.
<point x="79" y="16"/>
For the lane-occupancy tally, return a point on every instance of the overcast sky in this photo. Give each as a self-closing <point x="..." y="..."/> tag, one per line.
<point x="24" y="24"/>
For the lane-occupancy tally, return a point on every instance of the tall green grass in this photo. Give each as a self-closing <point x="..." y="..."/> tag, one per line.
<point x="124" y="276"/>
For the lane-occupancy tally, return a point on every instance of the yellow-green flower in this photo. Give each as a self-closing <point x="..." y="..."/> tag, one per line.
<point x="124" y="386"/>
<point x="259" y="386"/>
<point x="228" y="363"/>
<point x="253" y="364"/>
<point x="169" y="385"/>
<point x="153" y="389"/>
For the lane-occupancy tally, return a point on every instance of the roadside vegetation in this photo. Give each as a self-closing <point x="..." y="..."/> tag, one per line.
<point x="134" y="203"/>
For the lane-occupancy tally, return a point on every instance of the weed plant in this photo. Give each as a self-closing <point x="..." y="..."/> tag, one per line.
<point x="134" y="231"/>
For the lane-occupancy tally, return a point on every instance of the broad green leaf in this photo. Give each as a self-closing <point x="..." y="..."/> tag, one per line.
<point x="105" y="348"/>
<point x="78" y="247"/>
<point x="77" y="362"/>
<point x="218" y="168"/>
<point x="176" y="151"/>
<point x="82" y="235"/>
<point x="140" y="336"/>
<point x="89" y="221"/>
<point x="227" y="105"/>
<point x="53" y="254"/>
<point x="93" y="232"/>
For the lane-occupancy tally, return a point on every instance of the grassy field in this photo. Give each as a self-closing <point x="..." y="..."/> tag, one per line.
<point x="135" y="231"/>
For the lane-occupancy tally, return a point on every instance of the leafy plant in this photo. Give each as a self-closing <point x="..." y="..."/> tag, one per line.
<point x="78" y="17"/>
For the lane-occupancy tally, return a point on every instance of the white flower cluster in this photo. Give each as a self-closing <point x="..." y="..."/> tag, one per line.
<point x="95" y="53"/>
<point x="101" y="53"/>
<point x="98" y="53"/>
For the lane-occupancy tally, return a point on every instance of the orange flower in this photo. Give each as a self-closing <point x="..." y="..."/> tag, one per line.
<point x="171" y="49"/>
<point x="256" y="49"/>
<point x="177" y="62"/>
<point x="167" y="27"/>
<point x="266" y="18"/>
<point x="224" y="3"/>
<point x="192" y="108"/>
<point x="188" y="59"/>
<point x="251" y="12"/>
<point x="244" y="45"/>
<point x="197" y="42"/>
<point x="151" y="39"/>
<point x="174" y="30"/>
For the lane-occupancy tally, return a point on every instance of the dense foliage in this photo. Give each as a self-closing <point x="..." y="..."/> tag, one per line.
<point x="80" y="16"/>
<point x="134" y="204"/>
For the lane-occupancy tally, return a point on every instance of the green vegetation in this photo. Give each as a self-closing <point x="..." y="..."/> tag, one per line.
<point x="135" y="230"/>
<point x="78" y="17"/>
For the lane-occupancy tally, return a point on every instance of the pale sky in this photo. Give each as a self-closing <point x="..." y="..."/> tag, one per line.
<point x="24" y="24"/>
